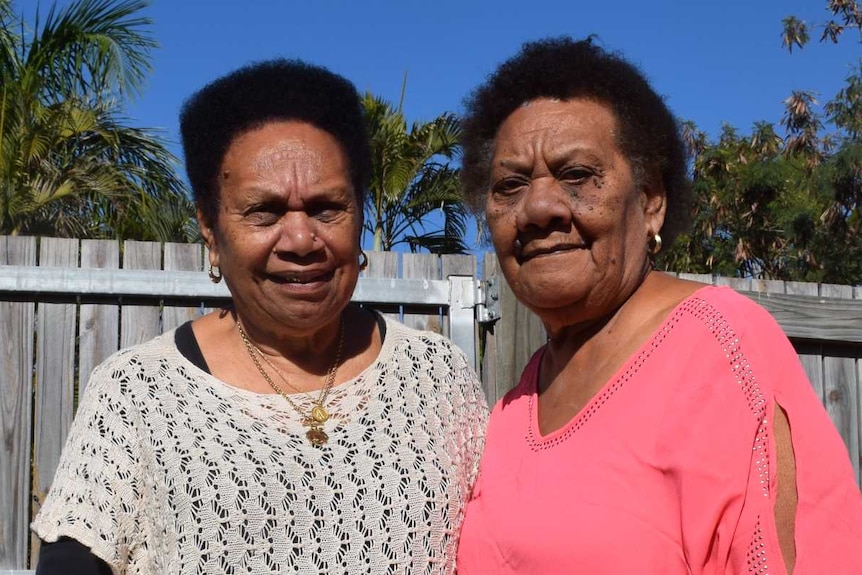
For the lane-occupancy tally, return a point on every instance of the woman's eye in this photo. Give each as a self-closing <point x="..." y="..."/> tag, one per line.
<point x="575" y="175"/>
<point x="325" y="211"/>
<point x="262" y="215"/>
<point x="507" y="186"/>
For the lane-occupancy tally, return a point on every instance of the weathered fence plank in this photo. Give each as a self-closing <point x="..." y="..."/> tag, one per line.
<point x="517" y="335"/>
<point x="857" y="294"/>
<point x="16" y="408"/>
<point x="702" y="278"/>
<point x="739" y="284"/>
<point x="383" y="265"/>
<point x="810" y="354"/>
<point x="767" y="286"/>
<point x="813" y="317"/>
<point x="99" y="328"/>
<point x="840" y="385"/>
<point x="140" y="322"/>
<point x="55" y="377"/>
<point x="457" y="265"/>
<point x="181" y="257"/>
<point x="421" y="266"/>
<point x="842" y="400"/>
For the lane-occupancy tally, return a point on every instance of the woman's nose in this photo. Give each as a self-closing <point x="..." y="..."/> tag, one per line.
<point x="544" y="205"/>
<point x="297" y="235"/>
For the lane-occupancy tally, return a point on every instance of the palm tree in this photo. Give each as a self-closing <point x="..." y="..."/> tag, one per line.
<point x="69" y="164"/>
<point x="413" y="180"/>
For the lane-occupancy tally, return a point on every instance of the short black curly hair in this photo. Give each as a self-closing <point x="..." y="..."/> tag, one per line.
<point x="562" y="68"/>
<point x="269" y="91"/>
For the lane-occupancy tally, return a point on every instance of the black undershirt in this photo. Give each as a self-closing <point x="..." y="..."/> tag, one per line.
<point x="67" y="556"/>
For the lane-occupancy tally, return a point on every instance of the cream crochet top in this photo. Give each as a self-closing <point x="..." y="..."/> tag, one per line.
<point x="170" y="470"/>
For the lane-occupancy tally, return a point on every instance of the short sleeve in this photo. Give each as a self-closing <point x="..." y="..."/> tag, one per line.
<point x="95" y="492"/>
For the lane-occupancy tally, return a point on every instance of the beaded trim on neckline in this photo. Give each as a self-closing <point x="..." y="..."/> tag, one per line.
<point x="613" y="385"/>
<point x="537" y="441"/>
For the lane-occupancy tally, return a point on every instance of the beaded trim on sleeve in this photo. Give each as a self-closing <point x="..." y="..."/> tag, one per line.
<point x="739" y="365"/>
<point x="756" y="556"/>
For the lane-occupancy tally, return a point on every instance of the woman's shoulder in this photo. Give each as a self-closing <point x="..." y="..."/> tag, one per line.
<point x="726" y="307"/>
<point x="430" y="356"/>
<point x="150" y="349"/>
<point x="404" y="334"/>
<point x="667" y="295"/>
<point x="136" y="358"/>
<point x="724" y="297"/>
<point x="717" y="323"/>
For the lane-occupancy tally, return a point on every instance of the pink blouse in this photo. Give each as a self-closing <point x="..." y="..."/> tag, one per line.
<point x="670" y="469"/>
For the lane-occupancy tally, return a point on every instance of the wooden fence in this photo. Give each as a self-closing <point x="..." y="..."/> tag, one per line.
<point x="51" y="341"/>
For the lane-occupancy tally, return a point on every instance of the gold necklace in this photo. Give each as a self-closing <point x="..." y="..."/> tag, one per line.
<point x="318" y="415"/>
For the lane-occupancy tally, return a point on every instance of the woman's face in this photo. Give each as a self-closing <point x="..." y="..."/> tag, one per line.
<point x="569" y="223"/>
<point x="287" y="235"/>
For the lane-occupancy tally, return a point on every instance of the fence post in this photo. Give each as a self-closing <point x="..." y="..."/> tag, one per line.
<point x="462" y="326"/>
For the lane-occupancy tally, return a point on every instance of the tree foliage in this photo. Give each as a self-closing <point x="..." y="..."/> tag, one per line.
<point x="783" y="203"/>
<point x="844" y="15"/>
<point x="70" y="165"/>
<point x="413" y="182"/>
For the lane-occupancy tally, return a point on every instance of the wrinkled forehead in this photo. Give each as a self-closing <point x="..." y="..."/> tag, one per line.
<point x="557" y="122"/>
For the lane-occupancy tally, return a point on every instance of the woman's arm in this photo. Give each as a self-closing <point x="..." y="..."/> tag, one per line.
<point x="786" y="497"/>
<point x="95" y="493"/>
<point x="67" y="556"/>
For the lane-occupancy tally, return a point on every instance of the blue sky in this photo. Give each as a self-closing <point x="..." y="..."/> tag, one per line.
<point x="715" y="61"/>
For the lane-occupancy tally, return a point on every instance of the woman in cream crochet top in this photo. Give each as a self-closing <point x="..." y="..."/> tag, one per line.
<point x="291" y="432"/>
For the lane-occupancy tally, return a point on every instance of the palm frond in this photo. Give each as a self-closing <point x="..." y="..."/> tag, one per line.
<point x="415" y="194"/>
<point x="10" y="42"/>
<point x="99" y="48"/>
<point x="70" y="164"/>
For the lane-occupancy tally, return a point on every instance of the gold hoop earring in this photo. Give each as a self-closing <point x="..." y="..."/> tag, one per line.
<point x="654" y="244"/>
<point x="363" y="260"/>
<point x="215" y="274"/>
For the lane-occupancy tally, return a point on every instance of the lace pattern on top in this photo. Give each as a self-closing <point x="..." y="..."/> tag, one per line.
<point x="168" y="470"/>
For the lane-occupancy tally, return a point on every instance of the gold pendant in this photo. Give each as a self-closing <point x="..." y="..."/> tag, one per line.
<point x="317" y="436"/>
<point x="319" y="414"/>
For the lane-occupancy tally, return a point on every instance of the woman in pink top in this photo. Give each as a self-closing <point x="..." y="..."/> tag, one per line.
<point x="666" y="427"/>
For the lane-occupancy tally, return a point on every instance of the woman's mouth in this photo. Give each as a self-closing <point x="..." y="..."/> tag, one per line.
<point x="302" y="278"/>
<point x="531" y="251"/>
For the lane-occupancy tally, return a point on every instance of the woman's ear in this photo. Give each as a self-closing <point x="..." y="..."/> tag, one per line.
<point x="655" y="203"/>
<point x="208" y="235"/>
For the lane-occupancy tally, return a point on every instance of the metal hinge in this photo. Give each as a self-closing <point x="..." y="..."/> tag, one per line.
<point x="488" y="300"/>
